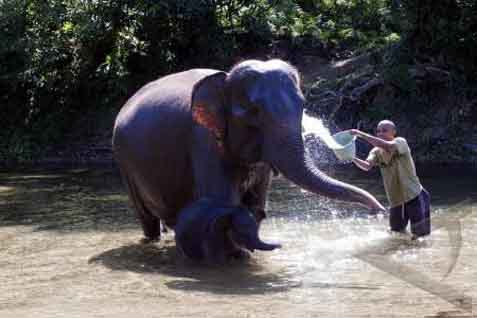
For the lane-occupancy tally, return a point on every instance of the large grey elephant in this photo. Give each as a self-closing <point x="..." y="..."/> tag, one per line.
<point x="205" y="133"/>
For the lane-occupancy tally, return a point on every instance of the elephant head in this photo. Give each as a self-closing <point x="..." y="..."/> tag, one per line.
<point x="255" y="113"/>
<point x="211" y="231"/>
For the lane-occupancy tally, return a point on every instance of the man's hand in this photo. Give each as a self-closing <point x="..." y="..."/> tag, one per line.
<point x="356" y="132"/>
<point x="375" y="141"/>
<point x="363" y="164"/>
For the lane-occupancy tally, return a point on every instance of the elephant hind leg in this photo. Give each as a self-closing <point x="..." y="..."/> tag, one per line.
<point x="151" y="224"/>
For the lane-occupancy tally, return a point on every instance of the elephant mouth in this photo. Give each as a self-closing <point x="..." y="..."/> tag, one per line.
<point x="233" y="243"/>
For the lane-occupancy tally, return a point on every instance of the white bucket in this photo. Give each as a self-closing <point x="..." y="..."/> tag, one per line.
<point x="347" y="146"/>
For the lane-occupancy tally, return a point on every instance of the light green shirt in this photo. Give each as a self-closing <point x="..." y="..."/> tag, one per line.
<point x="398" y="171"/>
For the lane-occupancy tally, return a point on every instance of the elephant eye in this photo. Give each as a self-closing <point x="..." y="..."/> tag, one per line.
<point x="248" y="114"/>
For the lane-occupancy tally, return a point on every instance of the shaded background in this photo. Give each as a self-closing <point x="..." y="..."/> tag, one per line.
<point x="67" y="66"/>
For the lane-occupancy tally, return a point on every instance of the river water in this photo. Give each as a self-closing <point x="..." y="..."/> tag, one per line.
<point x="69" y="248"/>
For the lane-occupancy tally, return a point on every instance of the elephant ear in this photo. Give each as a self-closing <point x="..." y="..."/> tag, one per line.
<point x="208" y="105"/>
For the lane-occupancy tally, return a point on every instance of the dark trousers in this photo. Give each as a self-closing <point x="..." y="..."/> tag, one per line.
<point x="417" y="211"/>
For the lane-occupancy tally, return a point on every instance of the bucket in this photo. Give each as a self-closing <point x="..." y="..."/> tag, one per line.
<point x="347" y="146"/>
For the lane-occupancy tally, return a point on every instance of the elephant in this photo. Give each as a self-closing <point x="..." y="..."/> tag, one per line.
<point x="205" y="133"/>
<point x="211" y="231"/>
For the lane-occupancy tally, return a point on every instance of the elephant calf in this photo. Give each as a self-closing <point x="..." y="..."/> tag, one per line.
<point x="207" y="133"/>
<point x="213" y="232"/>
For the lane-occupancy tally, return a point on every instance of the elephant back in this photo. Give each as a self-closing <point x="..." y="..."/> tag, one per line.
<point x="151" y="141"/>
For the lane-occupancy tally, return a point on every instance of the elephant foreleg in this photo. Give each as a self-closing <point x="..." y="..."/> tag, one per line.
<point x="255" y="196"/>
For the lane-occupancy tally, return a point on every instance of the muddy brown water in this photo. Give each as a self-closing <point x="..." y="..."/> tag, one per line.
<point x="69" y="248"/>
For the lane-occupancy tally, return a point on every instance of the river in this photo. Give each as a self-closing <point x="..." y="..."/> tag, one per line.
<point x="69" y="247"/>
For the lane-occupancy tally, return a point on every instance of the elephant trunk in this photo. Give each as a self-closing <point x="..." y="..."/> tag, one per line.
<point x="262" y="246"/>
<point x="244" y="232"/>
<point x="287" y="153"/>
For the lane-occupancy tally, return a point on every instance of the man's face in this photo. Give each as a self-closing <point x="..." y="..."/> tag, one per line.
<point x="386" y="132"/>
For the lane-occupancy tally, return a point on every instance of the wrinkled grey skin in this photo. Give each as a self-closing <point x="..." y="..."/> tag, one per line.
<point x="205" y="133"/>
<point x="211" y="231"/>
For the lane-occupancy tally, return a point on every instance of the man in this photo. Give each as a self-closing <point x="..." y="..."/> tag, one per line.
<point x="408" y="200"/>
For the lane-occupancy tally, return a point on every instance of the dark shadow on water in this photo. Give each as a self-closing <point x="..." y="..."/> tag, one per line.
<point x="244" y="277"/>
<point x="235" y="278"/>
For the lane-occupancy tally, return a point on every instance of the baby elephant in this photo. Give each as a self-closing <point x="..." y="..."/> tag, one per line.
<point x="214" y="232"/>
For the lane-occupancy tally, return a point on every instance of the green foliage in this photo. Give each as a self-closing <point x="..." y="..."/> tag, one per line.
<point x="62" y="58"/>
<point x="352" y="23"/>
<point x="442" y="32"/>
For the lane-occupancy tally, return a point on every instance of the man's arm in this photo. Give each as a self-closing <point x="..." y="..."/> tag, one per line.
<point x="363" y="164"/>
<point x="375" y="141"/>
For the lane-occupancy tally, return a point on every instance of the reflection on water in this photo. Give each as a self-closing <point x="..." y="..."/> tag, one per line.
<point x="69" y="247"/>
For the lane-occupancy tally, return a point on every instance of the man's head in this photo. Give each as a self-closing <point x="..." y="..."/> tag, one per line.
<point x="386" y="130"/>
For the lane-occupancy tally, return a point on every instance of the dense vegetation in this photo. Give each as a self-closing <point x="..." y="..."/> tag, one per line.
<point x="60" y="59"/>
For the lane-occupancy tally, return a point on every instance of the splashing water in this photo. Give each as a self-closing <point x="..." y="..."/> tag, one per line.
<point x="316" y="127"/>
